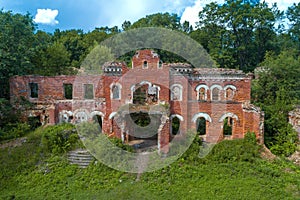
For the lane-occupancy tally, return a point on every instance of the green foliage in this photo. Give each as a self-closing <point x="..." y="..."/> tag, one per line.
<point x="293" y="14"/>
<point x="276" y="91"/>
<point x="165" y="20"/>
<point x="12" y="131"/>
<point x="25" y="173"/>
<point x="237" y="34"/>
<point x="286" y="140"/>
<point x="59" y="139"/>
<point x="16" y="47"/>
<point x="235" y="150"/>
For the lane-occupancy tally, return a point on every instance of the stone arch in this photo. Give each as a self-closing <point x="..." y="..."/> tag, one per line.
<point x="112" y="115"/>
<point x="176" y="92"/>
<point x="178" y="116"/>
<point x="204" y="115"/>
<point x="202" y="95"/>
<point x="231" y="115"/>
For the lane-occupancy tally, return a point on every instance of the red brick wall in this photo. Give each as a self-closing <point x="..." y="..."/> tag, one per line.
<point x="51" y="95"/>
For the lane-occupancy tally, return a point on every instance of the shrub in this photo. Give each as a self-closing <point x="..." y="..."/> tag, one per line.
<point x="60" y="138"/>
<point x="285" y="143"/>
<point x="12" y="131"/>
<point x="235" y="150"/>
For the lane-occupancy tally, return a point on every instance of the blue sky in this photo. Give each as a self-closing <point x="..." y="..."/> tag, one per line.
<point x="88" y="14"/>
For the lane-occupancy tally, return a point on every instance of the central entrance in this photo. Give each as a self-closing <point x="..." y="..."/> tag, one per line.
<point x="142" y="129"/>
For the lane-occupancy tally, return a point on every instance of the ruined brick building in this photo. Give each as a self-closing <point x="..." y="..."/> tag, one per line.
<point x="176" y="96"/>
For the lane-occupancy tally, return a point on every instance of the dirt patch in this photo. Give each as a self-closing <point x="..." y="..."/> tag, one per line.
<point x="13" y="143"/>
<point x="267" y="154"/>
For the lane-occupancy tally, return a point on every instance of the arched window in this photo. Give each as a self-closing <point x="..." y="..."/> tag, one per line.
<point x="201" y="120"/>
<point x="229" y="92"/>
<point x="115" y="91"/>
<point x="202" y="92"/>
<point x="215" y="92"/>
<point x="176" y="92"/>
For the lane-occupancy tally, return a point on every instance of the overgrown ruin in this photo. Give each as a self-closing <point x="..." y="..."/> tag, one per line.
<point x="173" y="97"/>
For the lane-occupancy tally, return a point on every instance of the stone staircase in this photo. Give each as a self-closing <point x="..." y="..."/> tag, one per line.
<point x="80" y="157"/>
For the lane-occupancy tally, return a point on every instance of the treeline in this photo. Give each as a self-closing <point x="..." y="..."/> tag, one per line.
<point x="236" y="34"/>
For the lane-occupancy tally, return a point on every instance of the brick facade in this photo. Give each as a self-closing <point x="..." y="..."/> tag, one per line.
<point x="212" y="94"/>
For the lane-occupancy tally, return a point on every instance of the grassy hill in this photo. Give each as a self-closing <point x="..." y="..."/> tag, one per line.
<point x="38" y="169"/>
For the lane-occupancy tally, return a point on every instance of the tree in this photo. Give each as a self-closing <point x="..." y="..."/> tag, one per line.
<point x="293" y="14"/>
<point x="16" y="47"/>
<point x="276" y="91"/>
<point x="237" y="33"/>
<point x="73" y="42"/>
<point x="56" y="60"/>
<point x="165" y="20"/>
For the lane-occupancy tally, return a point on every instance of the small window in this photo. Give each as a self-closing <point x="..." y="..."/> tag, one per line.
<point x="34" y="90"/>
<point x="115" y="92"/>
<point x="88" y="91"/>
<point x="145" y="65"/>
<point x="68" y="91"/>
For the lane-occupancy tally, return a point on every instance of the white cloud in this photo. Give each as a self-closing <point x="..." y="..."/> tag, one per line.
<point x="46" y="16"/>
<point x="191" y="13"/>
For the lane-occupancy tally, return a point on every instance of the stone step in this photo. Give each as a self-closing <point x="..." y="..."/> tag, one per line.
<point x="80" y="157"/>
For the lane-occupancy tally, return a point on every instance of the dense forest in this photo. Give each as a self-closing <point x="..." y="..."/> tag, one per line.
<point x="236" y="35"/>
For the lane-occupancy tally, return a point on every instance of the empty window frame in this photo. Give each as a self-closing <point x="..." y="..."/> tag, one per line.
<point x="88" y="91"/>
<point x="34" y="90"/>
<point x="68" y="91"/>
<point x="202" y="92"/>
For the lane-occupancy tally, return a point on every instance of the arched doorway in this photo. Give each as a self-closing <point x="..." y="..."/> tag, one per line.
<point x="98" y="120"/>
<point x="201" y="126"/>
<point x="175" y="129"/>
<point x="227" y="126"/>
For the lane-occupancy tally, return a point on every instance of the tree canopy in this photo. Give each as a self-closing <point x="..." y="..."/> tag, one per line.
<point x="241" y="34"/>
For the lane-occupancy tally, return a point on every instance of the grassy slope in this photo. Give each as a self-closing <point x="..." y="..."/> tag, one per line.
<point x="26" y="173"/>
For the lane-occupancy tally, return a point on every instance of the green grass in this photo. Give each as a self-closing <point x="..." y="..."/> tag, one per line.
<point x="229" y="172"/>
